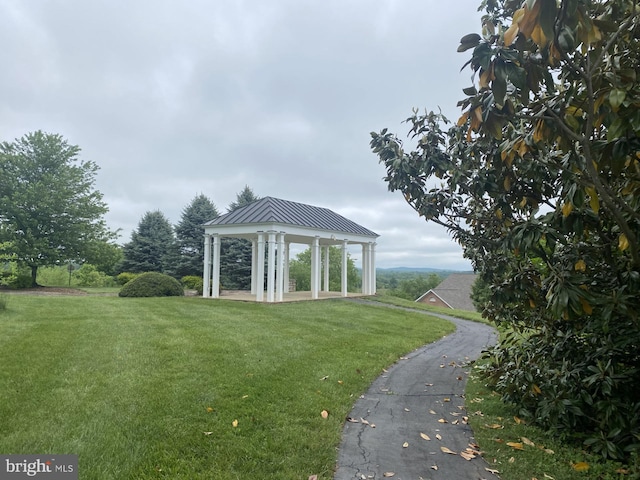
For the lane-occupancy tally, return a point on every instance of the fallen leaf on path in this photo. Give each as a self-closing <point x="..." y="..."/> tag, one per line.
<point x="350" y="420"/>
<point x="363" y="421"/>
<point x="425" y="436"/>
<point x="442" y="420"/>
<point x="446" y="399"/>
<point x="388" y="474"/>
<point x="407" y="410"/>
<point x="434" y="467"/>
<point x="446" y="450"/>
<point x="467" y="455"/>
<point x="438" y="436"/>
<point x="405" y="445"/>
<point x="455" y="422"/>
<point x="432" y="412"/>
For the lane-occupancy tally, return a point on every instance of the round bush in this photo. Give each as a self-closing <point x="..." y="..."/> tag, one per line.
<point x="152" y="284"/>
<point x="192" y="282"/>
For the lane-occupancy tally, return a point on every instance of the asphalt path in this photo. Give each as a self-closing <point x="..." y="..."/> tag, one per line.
<point x="412" y="422"/>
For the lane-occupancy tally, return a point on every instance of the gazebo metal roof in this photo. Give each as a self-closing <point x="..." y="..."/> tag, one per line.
<point x="270" y="210"/>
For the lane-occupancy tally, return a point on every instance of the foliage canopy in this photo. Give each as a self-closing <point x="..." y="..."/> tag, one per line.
<point x="539" y="181"/>
<point x="50" y="211"/>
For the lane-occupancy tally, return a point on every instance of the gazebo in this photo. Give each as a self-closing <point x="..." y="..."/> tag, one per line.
<point x="272" y="225"/>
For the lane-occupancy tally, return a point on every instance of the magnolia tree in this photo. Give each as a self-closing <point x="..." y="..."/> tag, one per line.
<point x="539" y="181"/>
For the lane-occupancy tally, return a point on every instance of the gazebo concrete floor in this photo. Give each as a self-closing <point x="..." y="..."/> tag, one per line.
<point x="247" y="296"/>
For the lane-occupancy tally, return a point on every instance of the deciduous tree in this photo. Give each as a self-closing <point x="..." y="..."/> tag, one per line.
<point x="300" y="271"/>
<point x="50" y="211"/>
<point x="539" y="180"/>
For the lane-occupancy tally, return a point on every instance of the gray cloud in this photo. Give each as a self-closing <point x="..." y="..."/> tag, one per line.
<point x="172" y="99"/>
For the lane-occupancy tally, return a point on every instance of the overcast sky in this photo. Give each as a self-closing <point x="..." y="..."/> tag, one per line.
<point x="176" y="98"/>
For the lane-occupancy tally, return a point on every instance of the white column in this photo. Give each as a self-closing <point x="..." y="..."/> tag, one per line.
<point x="374" y="279"/>
<point x="206" y="275"/>
<point x="315" y="267"/>
<point x="280" y="268"/>
<point x="271" y="267"/>
<point x="215" y="283"/>
<point x="286" y="267"/>
<point x="365" y="269"/>
<point x="260" y="269"/>
<point x="254" y="265"/>
<point x="343" y="280"/>
<point x="326" y="268"/>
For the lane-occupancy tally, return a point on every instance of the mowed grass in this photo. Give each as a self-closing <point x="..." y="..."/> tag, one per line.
<point x="152" y="388"/>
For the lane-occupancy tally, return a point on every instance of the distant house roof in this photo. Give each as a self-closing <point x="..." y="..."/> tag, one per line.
<point x="455" y="291"/>
<point x="270" y="210"/>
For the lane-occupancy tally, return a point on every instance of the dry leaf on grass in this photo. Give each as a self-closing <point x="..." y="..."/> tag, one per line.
<point x="234" y="423"/>
<point x="516" y="445"/>
<point x="209" y="409"/>
<point x="526" y="441"/>
<point x="313" y="477"/>
<point x="207" y="433"/>
<point x="494" y="426"/>
<point x="580" y="466"/>
<point x="491" y="470"/>
<point x="324" y="414"/>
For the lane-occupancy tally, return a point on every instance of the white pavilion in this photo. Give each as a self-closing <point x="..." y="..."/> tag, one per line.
<point x="272" y="225"/>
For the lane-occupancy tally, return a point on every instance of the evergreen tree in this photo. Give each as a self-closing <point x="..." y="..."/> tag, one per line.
<point x="152" y="247"/>
<point x="235" y="253"/>
<point x="190" y="235"/>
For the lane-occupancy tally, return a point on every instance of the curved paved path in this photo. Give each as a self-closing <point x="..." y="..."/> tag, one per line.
<point x="409" y="399"/>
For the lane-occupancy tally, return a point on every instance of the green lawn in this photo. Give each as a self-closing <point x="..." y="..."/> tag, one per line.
<point x="152" y="388"/>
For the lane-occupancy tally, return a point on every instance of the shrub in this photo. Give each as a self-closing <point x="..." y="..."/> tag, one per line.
<point x="152" y="284"/>
<point x="193" y="282"/>
<point x="20" y="281"/>
<point x="89" y="276"/>
<point x="125" y="277"/>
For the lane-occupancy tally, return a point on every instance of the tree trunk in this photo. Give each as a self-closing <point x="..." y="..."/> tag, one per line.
<point x="34" y="274"/>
